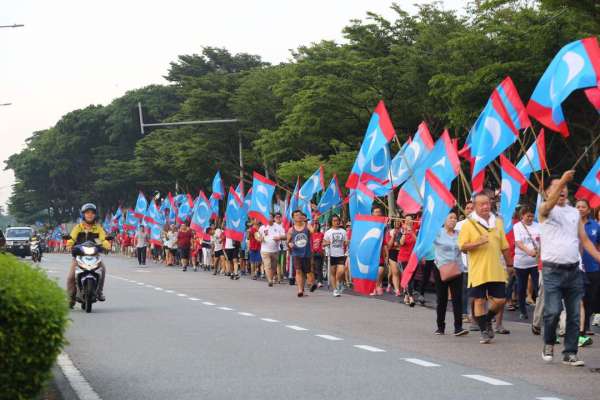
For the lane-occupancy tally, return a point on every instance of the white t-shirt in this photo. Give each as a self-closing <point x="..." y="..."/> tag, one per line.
<point x="463" y="255"/>
<point x="229" y="243"/>
<point x="217" y="239"/>
<point x="559" y="236"/>
<point x="271" y="235"/>
<point x="336" y="237"/>
<point x="522" y="259"/>
<point x="172" y="240"/>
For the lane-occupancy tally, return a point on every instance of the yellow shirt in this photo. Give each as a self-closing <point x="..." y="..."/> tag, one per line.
<point x="484" y="261"/>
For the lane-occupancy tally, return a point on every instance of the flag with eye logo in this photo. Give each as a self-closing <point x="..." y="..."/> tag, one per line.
<point x="510" y="189"/>
<point x="364" y="252"/>
<point x="438" y="202"/>
<point x="534" y="159"/>
<point x="201" y="215"/>
<point x="234" y="218"/>
<point x="411" y="155"/>
<point x="217" y="186"/>
<point x="140" y="206"/>
<point x="590" y="187"/>
<point x="332" y="196"/>
<point x="575" y="66"/>
<point x="262" y="197"/>
<point x="312" y="186"/>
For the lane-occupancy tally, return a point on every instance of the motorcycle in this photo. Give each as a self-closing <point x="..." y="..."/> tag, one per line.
<point x="36" y="253"/>
<point x="88" y="275"/>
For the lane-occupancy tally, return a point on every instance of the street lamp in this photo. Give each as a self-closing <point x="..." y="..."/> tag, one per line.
<point x="12" y="26"/>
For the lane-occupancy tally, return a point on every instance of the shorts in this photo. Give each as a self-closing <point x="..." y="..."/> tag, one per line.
<point x="255" y="256"/>
<point x="491" y="289"/>
<point x="184" y="252"/>
<point x="393" y="255"/>
<point x="233" y="254"/>
<point x="173" y="251"/>
<point x="269" y="260"/>
<point x="301" y="264"/>
<point x="219" y="253"/>
<point x="337" y="260"/>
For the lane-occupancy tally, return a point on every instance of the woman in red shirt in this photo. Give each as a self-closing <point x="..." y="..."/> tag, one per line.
<point x="316" y="247"/>
<point x="408" y="238"/>
<point x="196" y="249"/>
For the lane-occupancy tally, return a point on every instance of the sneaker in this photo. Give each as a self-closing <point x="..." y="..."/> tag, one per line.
<point x="300" y="294"/>
<point x="536" y="330"/>
<point x="439" y="331"/>
<point x="572" y="360"/>
<point x="341" y="288"/>
<point x="585" y="341"/>
<point x="523" y="316"/>
<point x="422" y="300"/>
<point x="319" y="285"/>
<point x="596" y="320"/>
<point x="270" y="284"/>
<point x="485" y="337"/>
<point x="460" y="332"/>
<point x="336" y="293"/>
<point x="313" y="287"/>
<point x="100" y="296"/>
<point x="490" y="329"/>
<point x="548" y="353"/>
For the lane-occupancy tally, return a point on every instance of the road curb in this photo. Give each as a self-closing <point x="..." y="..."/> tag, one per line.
<point x="62" y="384"/>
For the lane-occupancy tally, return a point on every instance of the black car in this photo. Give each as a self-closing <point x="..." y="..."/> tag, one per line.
<point x="18" y="241"/>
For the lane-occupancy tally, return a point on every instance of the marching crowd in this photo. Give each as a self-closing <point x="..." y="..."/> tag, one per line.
<point x="549" y="262"/>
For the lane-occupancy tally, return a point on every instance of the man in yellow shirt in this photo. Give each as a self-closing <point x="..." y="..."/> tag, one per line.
<point x="482" y="238"/>
<point x="88" y="230"/>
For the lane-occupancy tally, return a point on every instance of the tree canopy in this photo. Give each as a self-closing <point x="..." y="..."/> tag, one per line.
<point x="437" y="65"/>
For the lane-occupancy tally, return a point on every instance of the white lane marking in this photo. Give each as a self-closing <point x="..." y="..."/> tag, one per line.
<point x="159" y="289"/>
<point x="194" y="299"/>
<point x="548" y="398"/>
<point x="246" y="314"/>
<point x="369" y="348"/>
<point x="329" y="337"/>
<point x="141" y="283"/>
<point x="488" y="380"/>
<point x="141" y="270"/>
<point x="78" y="382"/>
<point x="269" y="320"/>
<point x="296" y="328"/>
<point x="182" y="295"/>
<point x="225" y="308"/>
<point x="168" y="291"/>
<point x="208" y="303"/>
<point x="422" y="363"/>
<point x="150" y="286"/>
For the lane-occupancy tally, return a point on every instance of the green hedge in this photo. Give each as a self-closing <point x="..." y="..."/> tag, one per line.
<point x="33" y="317"/>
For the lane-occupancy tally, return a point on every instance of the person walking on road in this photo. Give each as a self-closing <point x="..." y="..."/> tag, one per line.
<point x="270" y="236"/>
<point x="298" y="238"/>
<point x="527" y="251"/>
<point x="562" y="232"/>
<point x="184" y="244"/>
<point x="448" y="260"/>
<point x="483" y="238"/>
<point x="336" y="239"/>
<point x="141" y="245"/>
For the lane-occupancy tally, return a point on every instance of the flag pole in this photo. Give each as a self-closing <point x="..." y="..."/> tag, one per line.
<point x="587" y="149"/>
<point x="412" y="175"/>
<point x="536" y="188"/>
<point x="537" y="178"/>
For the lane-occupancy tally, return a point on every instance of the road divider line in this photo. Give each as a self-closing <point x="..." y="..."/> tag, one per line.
<point x="194" y="299"/>
<point x="329" y="337"/>
<point x="182" y="295"/>
<point x="269" y="320"/>
<point x="422" y="363"/>
<point x="225" y="308"/>
<point x="77" y="381"/>
<point x="369" y="348"/>
<point x="208" y="303"/>
<point x="159" y="289"/>
<point x="246" y="314"/>
<point x="488" y="380"/>
<point x="141" y="283"/>
<point x="296" y="328"/>
<point x="547" y="398"/>
<point x="169" y="291"/>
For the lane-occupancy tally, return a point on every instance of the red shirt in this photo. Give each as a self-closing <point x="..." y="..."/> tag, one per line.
<point x="254" y="244"/>
<point x="316" y="242"/>
<point x="407" y="247"/>
<point x="184" y="239"/>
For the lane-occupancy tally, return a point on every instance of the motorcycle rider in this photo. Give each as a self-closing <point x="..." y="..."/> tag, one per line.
<point x="35" y="237"/>
<point x="88" y="230"/>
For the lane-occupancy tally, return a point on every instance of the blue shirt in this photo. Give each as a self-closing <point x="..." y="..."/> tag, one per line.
<point x="447" y="250"/>
<point x="592" y="229"/>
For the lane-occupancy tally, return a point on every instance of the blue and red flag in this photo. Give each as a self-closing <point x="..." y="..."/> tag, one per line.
<point x="131" y="222"/>
<point x="513" y="104"/>
<point x="593" y="95"/>
<point x="262" y="196"/>
<point x="442" y="161"/>
<point x="365" y="251"/>
<point x="185" y="210"/>
<point x="153" y="214"/>
<point x="534" y="159"/>
<point x="377" y="172"/>
<point x="379" y="132"/>
<point x="234" y="217"/>
<point x="438" y="202"/>
<point x="140" y="206"/>
<point x="510" y="190"/>
<point x="240" y="189"/>
<point x="575" y="66"/>
<point x="214" y="207"/>
<point x="201" y="215"/>
<point x="155" y="232"/>
<point x="414" y="153"/>
<point x="493" y="132"/>
<point x="116" y="220"/>
<point x="590" y="187"/>
<point x="360" y="201"/>
<point x="332" y="196"/>
<point x="314" y="185"/>
<point x="217" y="186"/>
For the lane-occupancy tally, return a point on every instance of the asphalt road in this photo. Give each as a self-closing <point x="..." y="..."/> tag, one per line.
<point x="166" y="334"/>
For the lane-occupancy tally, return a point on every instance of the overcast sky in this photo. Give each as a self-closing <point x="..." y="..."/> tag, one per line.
<point x="73" y="53"/>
